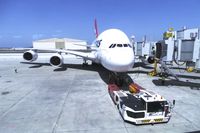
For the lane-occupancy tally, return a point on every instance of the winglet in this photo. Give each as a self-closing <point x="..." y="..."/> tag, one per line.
<point x="96" y="28"/>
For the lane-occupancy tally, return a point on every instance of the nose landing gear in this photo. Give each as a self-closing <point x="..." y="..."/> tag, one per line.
<point x="120" y="79"/>
<point x="115" y="78"/>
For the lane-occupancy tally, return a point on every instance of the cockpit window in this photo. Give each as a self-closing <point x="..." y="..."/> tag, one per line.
<point x="125" y="45"/>
<point x="113" y="45"/>
<point x="119" y="45"/>
<point x="129" y="45"/>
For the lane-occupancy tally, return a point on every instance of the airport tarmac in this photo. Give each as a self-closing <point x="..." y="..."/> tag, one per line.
<point x="75" y="99"/>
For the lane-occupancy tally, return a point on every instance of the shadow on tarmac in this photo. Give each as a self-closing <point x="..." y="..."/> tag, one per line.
<point x="36" y="66"/>
<point x="188" y="76"/>
<point x="141" y="64"/>
<point x="173" y="82"/>
<point x="104" y="73"/>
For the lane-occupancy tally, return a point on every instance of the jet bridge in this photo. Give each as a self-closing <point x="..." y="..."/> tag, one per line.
<point x="143" y="48"/>
<point x="180" y="46"/>
<point x="164" y="50"/>
<point x="144" y="51"/>
<point x="188" y="47"/>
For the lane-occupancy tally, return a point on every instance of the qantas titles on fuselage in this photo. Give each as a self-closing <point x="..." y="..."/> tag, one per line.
<point x="112" y="49"/>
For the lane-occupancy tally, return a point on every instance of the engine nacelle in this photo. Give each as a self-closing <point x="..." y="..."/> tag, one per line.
<point x="148" y="59"/>
<point x="56" y="60"/>
<point x="30" y="55"/>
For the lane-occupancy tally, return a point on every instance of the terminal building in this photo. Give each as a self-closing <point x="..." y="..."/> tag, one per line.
<point x="60" y="43"/>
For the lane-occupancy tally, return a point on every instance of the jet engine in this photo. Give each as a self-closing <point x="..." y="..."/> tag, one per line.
<point x="56" y="60"/>
<point x="30" y="55"/>
<point x="148" y="59"/>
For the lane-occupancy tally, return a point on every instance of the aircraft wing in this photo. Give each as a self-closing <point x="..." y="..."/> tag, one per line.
<point x="85" y="54"/>
<point x="88" y="46"/>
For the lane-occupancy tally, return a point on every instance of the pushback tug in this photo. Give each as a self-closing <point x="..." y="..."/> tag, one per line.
<point x="140" y="106"/>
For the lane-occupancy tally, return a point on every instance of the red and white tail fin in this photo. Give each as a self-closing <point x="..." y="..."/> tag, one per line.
<point x="96" y="28"/>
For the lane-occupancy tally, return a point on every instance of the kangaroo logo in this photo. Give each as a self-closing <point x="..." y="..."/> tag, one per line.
<point x="98" y="43"/>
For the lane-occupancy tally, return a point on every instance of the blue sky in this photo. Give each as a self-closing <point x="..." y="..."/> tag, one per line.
<point x="22" y="21"/>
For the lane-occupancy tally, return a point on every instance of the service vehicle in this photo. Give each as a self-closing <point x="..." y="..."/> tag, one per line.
<point x="140" y="106"/>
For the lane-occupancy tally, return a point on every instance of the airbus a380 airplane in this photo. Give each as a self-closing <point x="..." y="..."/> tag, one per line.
<point x="112" y="49"/>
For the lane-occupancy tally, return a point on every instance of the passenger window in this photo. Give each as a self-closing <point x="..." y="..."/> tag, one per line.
<point x="119" y="45"/>
<point x="125" y="45"/>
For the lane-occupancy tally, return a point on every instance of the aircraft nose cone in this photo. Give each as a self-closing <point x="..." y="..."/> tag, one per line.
<point x="122" y="63"/>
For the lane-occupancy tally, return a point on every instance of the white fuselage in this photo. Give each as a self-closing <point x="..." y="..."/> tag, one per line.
<point x="112" y="49"/>
<point x="115" y="52"/>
